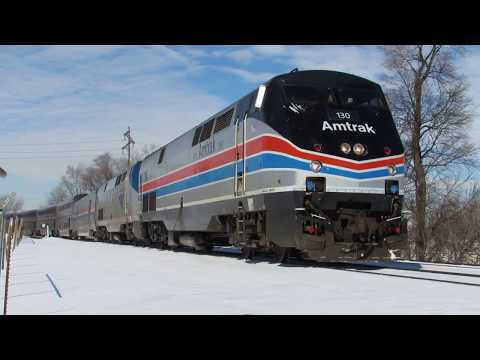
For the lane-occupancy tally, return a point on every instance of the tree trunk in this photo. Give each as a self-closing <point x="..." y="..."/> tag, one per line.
<point x="421" y="182"/>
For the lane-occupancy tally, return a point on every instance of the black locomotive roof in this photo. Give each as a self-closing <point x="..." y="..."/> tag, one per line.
<point x="326" y="78"/>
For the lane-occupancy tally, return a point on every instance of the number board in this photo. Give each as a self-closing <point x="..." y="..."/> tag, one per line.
<point x="343" y="115"/>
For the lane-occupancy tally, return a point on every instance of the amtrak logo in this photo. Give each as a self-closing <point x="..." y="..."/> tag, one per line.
<point x="348" y="127"/>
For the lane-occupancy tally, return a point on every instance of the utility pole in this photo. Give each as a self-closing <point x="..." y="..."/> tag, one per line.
<point x="130" y="143"/>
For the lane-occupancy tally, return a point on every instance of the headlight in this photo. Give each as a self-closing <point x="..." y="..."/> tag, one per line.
<point x="346" y="148"/>
<point x="358" y="149"/>
<point x="315" y="166"/>
<point x="392" y="170"/>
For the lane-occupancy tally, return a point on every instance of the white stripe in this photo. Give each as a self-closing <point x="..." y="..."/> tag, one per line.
<point x="231" y="196"/>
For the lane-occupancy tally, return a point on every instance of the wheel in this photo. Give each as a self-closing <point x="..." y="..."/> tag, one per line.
<point x="281" y="254"/>
<point x="248" y="253"/>
<point x="158" y="235"/>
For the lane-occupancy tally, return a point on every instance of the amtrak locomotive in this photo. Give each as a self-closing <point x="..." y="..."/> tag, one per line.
<point x="310" y="164"/>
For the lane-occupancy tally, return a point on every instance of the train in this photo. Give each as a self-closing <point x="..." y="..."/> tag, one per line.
<point x="309" y="164"/>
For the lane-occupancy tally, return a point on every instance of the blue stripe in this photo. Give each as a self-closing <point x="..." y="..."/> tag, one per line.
<point x="267" y="161"/>
<point x="134" y="176"/>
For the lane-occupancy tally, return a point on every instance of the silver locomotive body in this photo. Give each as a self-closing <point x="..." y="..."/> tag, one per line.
<point x="250" y="176"/>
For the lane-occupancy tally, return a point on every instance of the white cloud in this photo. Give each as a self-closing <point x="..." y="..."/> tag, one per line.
<point x="272" y="50"/>
<point x="73" y="52"/>
<point x="242" y="55"/>
<point x="470" y="67"/>
<point x="254" y="77"/>
<point x="362" y="61"/>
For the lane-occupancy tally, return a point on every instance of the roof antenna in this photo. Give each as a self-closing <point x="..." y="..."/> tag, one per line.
<point x="294" y="70"/>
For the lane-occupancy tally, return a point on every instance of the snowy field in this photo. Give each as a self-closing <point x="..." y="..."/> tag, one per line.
<point x="57" y="276"/>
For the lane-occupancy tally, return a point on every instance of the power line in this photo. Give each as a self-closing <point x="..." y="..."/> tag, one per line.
<point x="48" y="157"/>
<point x="63" y="143"/>
<point x="55" y="151"/>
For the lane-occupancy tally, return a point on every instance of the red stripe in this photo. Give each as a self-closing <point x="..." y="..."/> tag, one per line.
<point x="270" y="143"/>
<point x="264" y="143"/>
<point x="214" y="161"/>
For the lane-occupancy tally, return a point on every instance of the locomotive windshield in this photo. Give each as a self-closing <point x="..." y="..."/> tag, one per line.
<point x="313" y="114"/>
<point x="360" y="98"/>
<point x="309" y="97"/>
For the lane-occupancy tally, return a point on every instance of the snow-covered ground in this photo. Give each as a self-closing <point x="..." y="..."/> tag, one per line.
<point x="57" y="276"/>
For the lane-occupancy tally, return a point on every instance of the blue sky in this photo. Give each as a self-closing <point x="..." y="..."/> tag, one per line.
<point x="86" y="96"/>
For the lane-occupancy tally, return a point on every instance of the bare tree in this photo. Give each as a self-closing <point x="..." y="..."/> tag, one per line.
<point x="71" y="184"/>
<point x="15" y="206"/>
<point x="58" y="195"/>
<point x="102" y="170"/>
<point x="80" y="179"/>
<point x="455" y="232"/>
<point x="72" y="180"/>
<point x="429" y="102"/>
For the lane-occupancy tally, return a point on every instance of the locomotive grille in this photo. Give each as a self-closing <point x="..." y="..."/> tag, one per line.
<point x="207" y="129"/>
<point x="160" y="159"/>
<point x="223" y="121"/>
<point x="196" y="136"/>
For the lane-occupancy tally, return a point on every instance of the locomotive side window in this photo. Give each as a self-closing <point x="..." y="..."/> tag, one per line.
<point x="160" y="158"/>
<point x="196" y="136"/>
<point x="206" y="131"/>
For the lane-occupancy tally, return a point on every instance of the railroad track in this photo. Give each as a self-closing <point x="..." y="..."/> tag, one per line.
<point x="441" y="276"/>
<point x="408" y="267"/>
<point x="435" y="276"/>
<point x="378" y="269"/>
